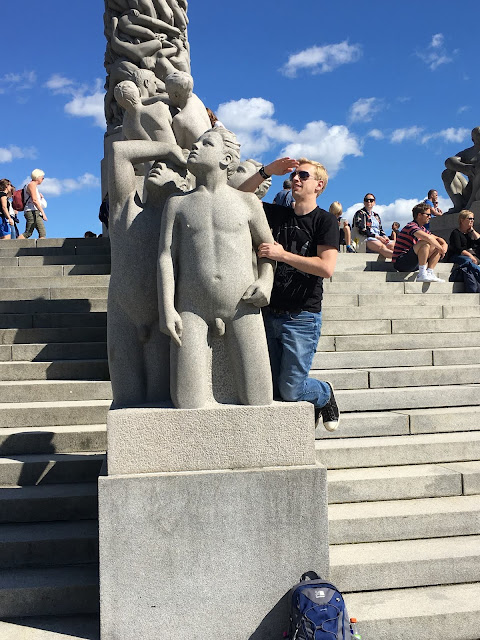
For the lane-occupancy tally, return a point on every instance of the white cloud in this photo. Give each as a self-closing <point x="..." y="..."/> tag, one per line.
<point x="57" y="187"/>
<point x="463" y="108"/>
<point x="13" y="153"/>
<point x="409" y="133"/>
<point x="322" y="59"/>
<point x="435" y="54"/>
<point x="86" y="105"/>
<point x="252" y="120"/>
<point x="328" y="145"/>
<point x="376" y="134"/>
<point x="448" y="135"/>
<point x="364" y="109"/>
<point x="17" y="81"/>
<point x="59" y="84"/>
<point x="85" y="102"/>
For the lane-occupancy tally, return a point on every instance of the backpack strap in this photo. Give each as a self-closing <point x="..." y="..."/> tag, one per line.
<point x="309" y="575"/>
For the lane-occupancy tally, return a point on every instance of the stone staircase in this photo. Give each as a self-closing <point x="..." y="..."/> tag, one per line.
<point x="404" y="470"/>
<point x="55" y="397"/>
<point x="404" y="467"/>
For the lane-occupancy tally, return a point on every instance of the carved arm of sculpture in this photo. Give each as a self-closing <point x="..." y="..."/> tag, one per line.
<point x="456" y="163"/>
<point x="169" y="319"/>
<point x="136" y="52"/>
<point x="126" y="154"/>
<point x="141" y="26"/>
<point x="258" y="293"/>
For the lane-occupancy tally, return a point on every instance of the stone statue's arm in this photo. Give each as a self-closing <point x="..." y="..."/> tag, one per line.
<point x="154" y="24"/>
<point x="278" y="167"/>
<point x="135" y="52"/>
<point x="180" y="14"/>
<point x="456" y="163"/>
<point x="145" y="6"/>
<point x="258" y="293"/>
<point x="169" y="320"/>
<point x="128" y="153"/>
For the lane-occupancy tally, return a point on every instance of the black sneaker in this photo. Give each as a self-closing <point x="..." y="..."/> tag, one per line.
<point x="330" y="413"/>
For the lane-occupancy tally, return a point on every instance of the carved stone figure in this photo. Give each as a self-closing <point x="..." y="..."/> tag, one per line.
<point x="138" y="353"/>
<point x="191" y="118"/>
<point x="143" y="34"/>
<point x="151" y="121"/>
<point x="462" y="191"/>
<point x="245" y="170"/>
<point x="206" y="279"/>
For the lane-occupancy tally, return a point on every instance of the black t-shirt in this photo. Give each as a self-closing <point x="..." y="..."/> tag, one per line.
<point x="294" y="290"/>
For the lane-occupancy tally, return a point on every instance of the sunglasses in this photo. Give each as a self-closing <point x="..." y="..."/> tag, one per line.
<point x="303" y="175"/>
<point x="470" y="218"/>
<point x="369" y="199"/>
<point x="427" y="214"/>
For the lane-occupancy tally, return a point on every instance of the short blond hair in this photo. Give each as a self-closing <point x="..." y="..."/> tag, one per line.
<point x="336" y="208"/>
<point x="320" y="171"/>
<point x="37" y="173"/>
<point x="464" y="213"/>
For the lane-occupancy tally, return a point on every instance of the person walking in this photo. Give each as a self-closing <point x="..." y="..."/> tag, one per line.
<point x="34" y="206"/>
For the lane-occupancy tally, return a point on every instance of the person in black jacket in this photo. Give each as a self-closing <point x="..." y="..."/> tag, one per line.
<point x="464" y="243"/>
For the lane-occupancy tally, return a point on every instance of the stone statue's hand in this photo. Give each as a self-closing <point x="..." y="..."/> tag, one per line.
<point x="173" y="327"/>
<point x="134" y="12"/>
<point x="257" y="294"/>
<point x="177" y="156"/>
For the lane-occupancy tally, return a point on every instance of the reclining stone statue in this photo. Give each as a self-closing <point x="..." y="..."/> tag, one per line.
<point x="206" y="279"/>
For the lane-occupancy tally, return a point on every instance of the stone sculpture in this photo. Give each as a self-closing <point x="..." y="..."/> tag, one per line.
<point x="206" y="279"/>
<point x="138" y="353"/>
<point x="143" y="34"/>
<point x="151" y="121"/>
<point x="245" y="170"/>
<point x="464" y="192"/>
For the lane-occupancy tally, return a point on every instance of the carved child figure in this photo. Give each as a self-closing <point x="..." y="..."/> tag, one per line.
<point x="192" y="118"/>
<point x="206" y="279"/>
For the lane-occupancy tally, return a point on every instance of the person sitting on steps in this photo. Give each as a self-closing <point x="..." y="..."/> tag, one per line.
<point x="417" y="248"/>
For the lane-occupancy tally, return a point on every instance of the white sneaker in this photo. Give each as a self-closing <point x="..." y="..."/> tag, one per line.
<point x="433" y="276"/>
<point x="426" y="277"/>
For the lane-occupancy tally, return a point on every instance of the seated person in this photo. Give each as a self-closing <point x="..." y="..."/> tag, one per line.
<point x="369" y="225"/>
<point x="417" y="248"/>
<point x="464" y="243"/>
<point x="344" y="227"/>
<point x="395" y="228"/>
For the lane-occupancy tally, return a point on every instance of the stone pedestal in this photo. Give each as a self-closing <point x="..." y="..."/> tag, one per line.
<point x="202" y="533"/>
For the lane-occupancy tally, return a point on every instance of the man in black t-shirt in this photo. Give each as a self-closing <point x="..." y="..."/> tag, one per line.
<point x="306" y="249"/>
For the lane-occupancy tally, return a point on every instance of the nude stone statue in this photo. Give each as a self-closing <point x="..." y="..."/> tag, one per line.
<point x="206" y="280"/>
<point x="138" y="353"/>
<point x="151" y="121"/>
<point x="122" y="70"/>
<point x="463" y="192"/>
<point x="190" y="119"/>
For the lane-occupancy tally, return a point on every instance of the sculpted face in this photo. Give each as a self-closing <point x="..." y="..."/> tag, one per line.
<point x="163" y="177"/>
<point x="207" y="152"/>
<point x="476" y="136"/>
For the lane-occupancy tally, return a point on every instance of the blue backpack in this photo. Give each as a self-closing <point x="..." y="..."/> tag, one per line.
<point x="317" y="611"/>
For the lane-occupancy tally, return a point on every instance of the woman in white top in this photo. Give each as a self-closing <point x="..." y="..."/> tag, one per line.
<point x="33" y="211"/>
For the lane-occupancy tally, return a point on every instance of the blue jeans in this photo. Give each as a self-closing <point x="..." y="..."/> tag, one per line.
<point x="463" y="260"/>
<point x="292" y="341"/>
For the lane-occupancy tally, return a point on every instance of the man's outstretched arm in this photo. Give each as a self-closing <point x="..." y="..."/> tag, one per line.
<point x="276" y="168"/>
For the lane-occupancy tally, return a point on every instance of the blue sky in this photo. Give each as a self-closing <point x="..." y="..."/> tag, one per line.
<point x="380" y="92"/>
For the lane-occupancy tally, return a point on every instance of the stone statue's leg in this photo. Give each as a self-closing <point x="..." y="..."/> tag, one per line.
<point x="189" y="364"/>
<point x="456" y="186"/>
<point x="157" y="366"/>
<point x="248" y="352"/>
<point x="125" y="359"/>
